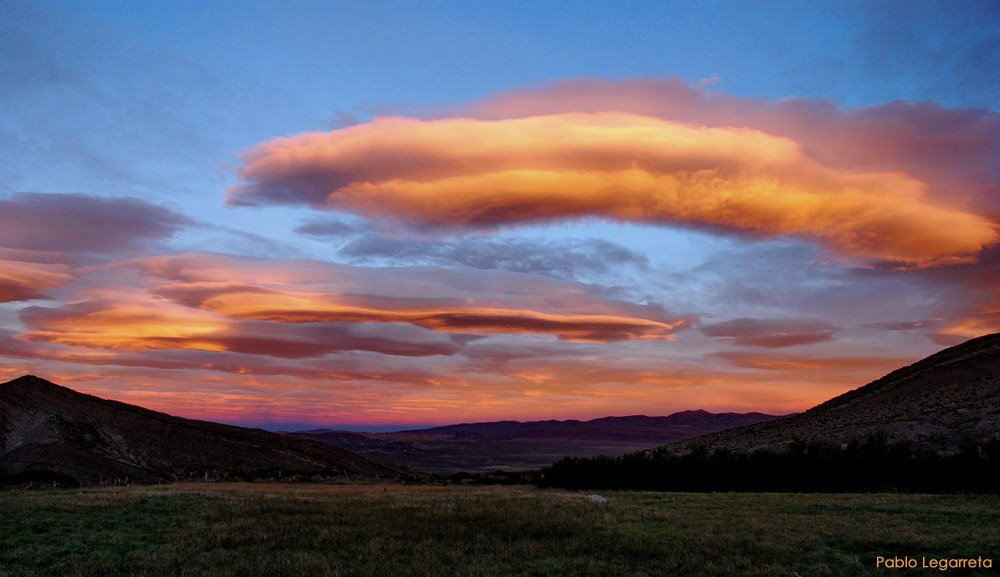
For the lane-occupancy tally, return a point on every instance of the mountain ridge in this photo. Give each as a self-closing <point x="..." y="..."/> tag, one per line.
<point x="52" y="432"/>
<point x="604" y="428"/>
<point x="526" y="444"/>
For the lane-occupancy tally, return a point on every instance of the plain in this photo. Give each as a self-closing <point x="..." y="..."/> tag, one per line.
<point x="256" y="529"/>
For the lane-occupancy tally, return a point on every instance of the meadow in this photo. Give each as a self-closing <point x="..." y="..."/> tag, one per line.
<point x="248" y="530"/>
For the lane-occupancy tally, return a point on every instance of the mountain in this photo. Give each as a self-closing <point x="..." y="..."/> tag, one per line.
<point x="518" y="445"/>
<point x="933" y="403"/>
<point x="52" y="433"/>
<point x="636" y="428"/>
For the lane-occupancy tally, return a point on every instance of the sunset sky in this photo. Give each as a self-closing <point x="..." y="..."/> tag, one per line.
<point x="389" y="214"/>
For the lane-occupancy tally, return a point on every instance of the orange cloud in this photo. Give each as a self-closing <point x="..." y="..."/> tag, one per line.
<point x="953" y="150"/>
<point x="28" y="280"/>
<point x="131" y="323"/>
<point x="448" y="301"/>
<point x="787" y="363"/>
<point x="303" y="307"/>
<point x="309" y="309"/>
<point x="461" y="173"/>
<point x="126" y="324"/>
<point x="344" y="368"/>
<point x="977" y="324"/>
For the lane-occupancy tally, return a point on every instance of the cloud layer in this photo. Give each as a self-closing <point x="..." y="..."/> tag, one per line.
<point x="463" y="173"/>
<point x="444" y="301"/>
<point x="569" y="258"/>
<point x="439" y="320"/>
<point x="44" y="237"/>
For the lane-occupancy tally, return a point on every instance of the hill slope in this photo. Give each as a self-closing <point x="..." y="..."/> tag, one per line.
<point x="933" y="403"/>
<point x="54" y="433"/>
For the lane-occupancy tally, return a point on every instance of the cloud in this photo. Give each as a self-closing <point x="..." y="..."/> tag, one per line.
<point x="450" y="316"/>
<point x="975" y="324"/>
<point x="327" y="228"/>
<point x="872" y="304"/>
<point x="21" y="279"/>
<point x="200" y="275"/>
<point x="560" y="258"/>
<point x="81" y="224"/>
<point x="956" y="303"/>
<point x="344" y="368"/>
<point x="315" y="340"/>
<point x="126" y="322"/>
<point x="318" y="308"/>
<point x="953" y="151"/>
<point x="138" y="322"/>
<point x="786" y="362"/>
<point x="45" y="238"/>
<point x="566" y="258"/>
<point x="463" y="173"/>
<point x="450" y="301"/>
<point x="903" y="326"/>
<point x="312" y="310"/>
<point x="771" y="333"/>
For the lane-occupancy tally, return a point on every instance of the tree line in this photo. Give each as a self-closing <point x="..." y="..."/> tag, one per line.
<point x="863" y="465"/>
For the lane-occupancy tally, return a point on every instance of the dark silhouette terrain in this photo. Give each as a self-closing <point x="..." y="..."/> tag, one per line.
<point x="49" y="433"/>
<point x="525" y="445"/>
<point x="933" y="404"/>
<point x="931" y="426"/>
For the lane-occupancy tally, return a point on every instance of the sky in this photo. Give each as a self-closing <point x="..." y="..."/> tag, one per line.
<point x="379" y="215"/>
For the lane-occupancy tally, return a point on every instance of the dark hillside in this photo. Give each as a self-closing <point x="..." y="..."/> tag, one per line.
<point x="49" y="432"/>
<point x="933" y="404"/>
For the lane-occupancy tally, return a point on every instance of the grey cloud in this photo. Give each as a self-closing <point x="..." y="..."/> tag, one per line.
<point x="77" y="223"/>
<point x="329" y="228"/>
<point x="771" y="333"/>
<point x="563" y="258"/>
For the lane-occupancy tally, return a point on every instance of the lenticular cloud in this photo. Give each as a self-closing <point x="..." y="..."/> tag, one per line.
<point x="463" y="173"/>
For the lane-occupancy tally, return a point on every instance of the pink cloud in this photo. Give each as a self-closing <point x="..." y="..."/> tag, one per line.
<point x="26" y="280"/>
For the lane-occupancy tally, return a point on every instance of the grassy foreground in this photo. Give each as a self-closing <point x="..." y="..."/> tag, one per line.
<point x="247" y="530"/>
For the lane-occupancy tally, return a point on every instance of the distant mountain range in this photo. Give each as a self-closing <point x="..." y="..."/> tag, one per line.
<point x="51" y="433"/>
<point x="635" y="428"/>
<point x="516" y="444"/>
<point x="933" y="403"/>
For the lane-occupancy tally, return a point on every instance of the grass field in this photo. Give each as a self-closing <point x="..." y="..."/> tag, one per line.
<point x="246" y="530"/>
